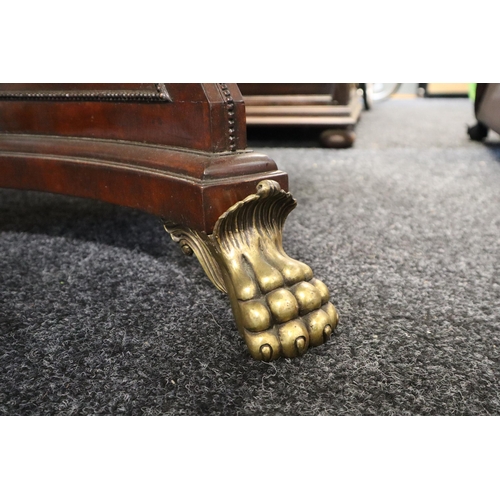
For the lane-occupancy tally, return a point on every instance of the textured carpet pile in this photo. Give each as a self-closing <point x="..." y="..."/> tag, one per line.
<point x="102" y="314"/>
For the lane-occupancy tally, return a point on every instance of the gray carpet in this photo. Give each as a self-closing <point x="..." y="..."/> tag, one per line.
<point x="101" y="313"/>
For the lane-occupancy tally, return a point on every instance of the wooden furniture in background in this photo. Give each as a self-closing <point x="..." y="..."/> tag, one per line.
<point x="333" y="108"/>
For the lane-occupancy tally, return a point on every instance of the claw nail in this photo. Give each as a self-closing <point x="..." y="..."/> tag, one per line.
<point x="267" y="352"/>
<point x="327" y="332"/>
<point x="300" y="344"/>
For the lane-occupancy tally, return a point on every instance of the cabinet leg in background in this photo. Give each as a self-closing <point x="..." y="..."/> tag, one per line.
<point x="338" y="138"/>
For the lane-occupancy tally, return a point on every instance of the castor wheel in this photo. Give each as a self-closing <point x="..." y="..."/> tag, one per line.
<point x="477" y="132"/>
<point x="337" y="138"/>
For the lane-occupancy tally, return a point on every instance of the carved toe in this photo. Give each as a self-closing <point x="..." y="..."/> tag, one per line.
<point x="329" y="308"/>
<point x="317" y="322"/>
<point x="256" y="316"/>
<point x="308" y="297"/>
<point x="283" y="305"/>
<point x="264" y="346"/>
<point x="322" y="289"/>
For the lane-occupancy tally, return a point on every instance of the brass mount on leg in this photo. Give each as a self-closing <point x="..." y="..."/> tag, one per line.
<point x="279" y="307"/>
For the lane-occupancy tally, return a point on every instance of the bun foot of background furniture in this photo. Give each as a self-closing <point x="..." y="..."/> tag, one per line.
<point x="280" y="308"/>
<point x="337" y="138"/>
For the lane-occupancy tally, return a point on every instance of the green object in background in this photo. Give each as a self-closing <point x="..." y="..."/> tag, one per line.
<point x="472" y="91"/>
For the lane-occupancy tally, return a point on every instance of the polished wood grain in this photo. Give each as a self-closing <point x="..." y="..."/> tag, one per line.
<point x="184" y="160"/>
<point x="197" y="117"/>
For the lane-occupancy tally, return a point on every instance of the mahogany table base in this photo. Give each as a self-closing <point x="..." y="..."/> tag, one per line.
<point x="219" y="200"/>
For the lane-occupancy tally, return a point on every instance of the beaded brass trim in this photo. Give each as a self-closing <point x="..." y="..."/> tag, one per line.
<point x="160" y="94"/>
<point x="230" y="115"/>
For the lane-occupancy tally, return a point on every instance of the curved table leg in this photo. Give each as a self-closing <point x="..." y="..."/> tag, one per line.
<point x="279" y="307"/>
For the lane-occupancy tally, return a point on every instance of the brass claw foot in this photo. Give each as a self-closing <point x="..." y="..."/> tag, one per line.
<point x="280" y="308"/>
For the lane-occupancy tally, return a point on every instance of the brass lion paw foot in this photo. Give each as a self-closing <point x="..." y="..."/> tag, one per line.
<point x="280" y="308"/>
